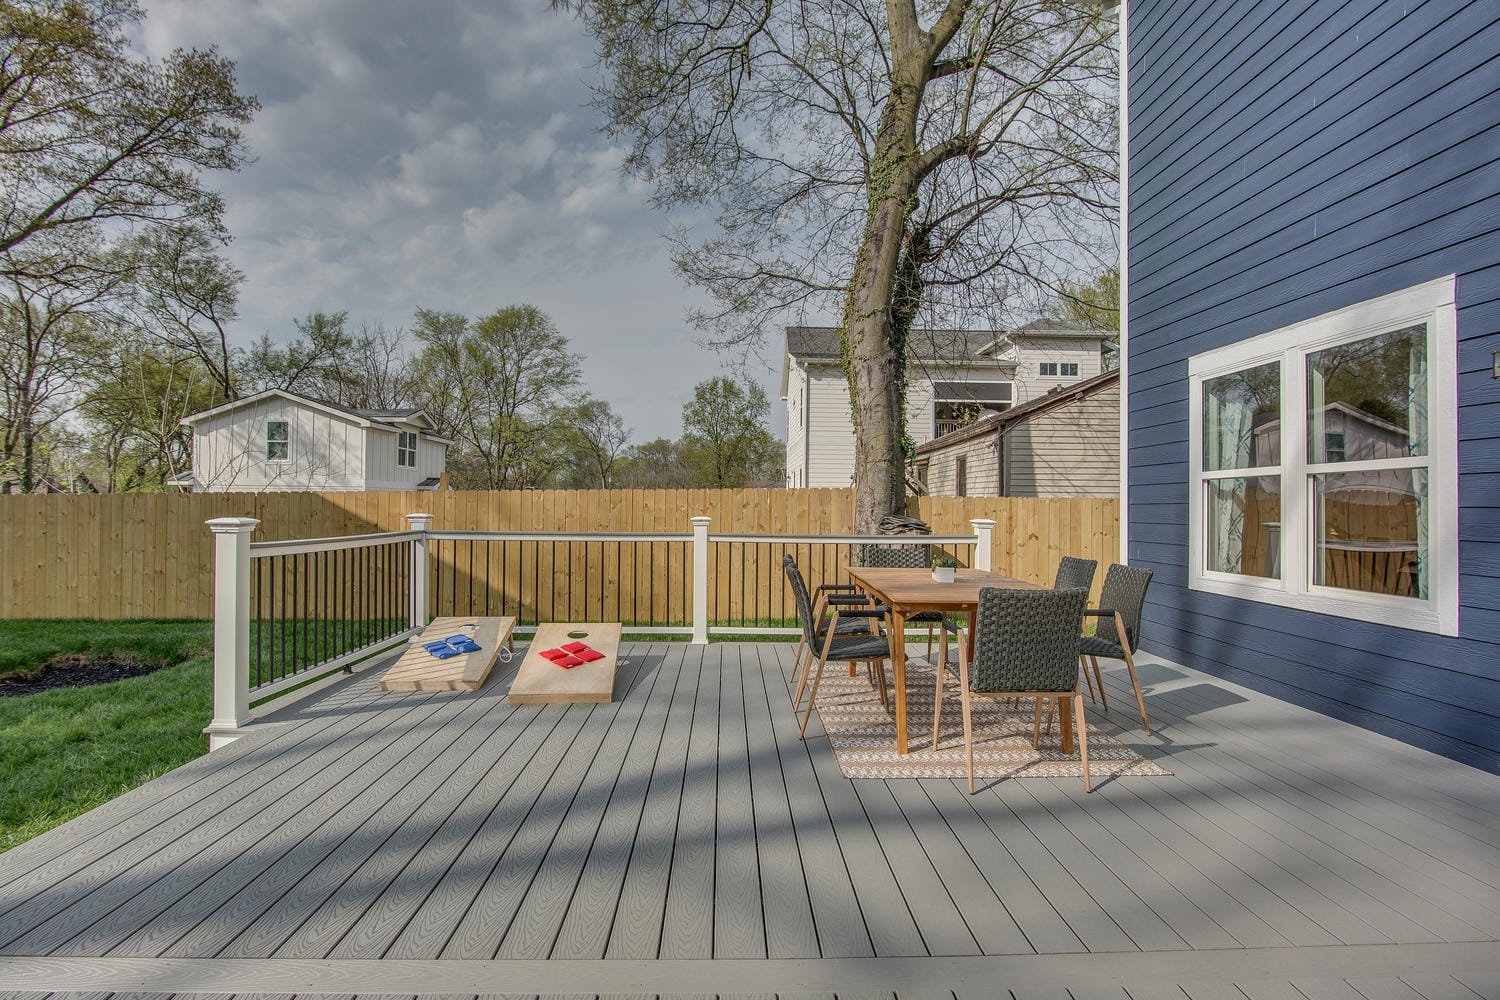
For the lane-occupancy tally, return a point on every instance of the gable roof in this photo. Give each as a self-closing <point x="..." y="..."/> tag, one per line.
<point x="382" y="420"/>
<point x="999" y="421"/>
<point x="818" y="344"/>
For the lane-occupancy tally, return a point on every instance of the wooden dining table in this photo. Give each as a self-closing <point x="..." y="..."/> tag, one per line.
<point x="910" y="591"/>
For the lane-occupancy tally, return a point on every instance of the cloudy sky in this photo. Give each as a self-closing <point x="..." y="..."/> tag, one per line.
<point x="442" y="153"/>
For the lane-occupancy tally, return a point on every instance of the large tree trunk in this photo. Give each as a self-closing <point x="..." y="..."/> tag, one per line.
<point x="873" y="344"/>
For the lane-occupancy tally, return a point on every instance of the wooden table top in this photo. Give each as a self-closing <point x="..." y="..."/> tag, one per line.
<point x="903" y="587"/>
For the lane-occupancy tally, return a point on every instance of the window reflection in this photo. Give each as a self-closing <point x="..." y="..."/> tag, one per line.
<point x="1241" y="429"/>
<point x="1244" y="526"/>
<point x="1367" y="400"/>
<point x="1370" y="531"/>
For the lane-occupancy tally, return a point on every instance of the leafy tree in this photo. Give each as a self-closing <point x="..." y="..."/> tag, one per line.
<point x="134" y="410"/>
<point x="186" y="294"/>
<point x="595" y="436"/>
<point x="94" y="139"/>
<point x="724" y="438"/>
<point x="373" y="373"/>
<point x="1095" y="304"/>
<point x="309" y="364"/>
<point x="878" y="159"/>
<point x="492" y="384"/>
<point x="48" y="343"/>
<point x="655" y="464"/>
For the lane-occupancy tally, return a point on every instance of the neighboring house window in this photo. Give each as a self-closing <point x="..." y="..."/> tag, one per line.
<point x="1048" y="367"/>
<point x="1058" y="367"/>
<point x="406" y="449"/>
<point x="278" y="441"/>
<point x="961" y="477"/>
<point x="1324" y="464"/>
<point x="1068" y="368"/>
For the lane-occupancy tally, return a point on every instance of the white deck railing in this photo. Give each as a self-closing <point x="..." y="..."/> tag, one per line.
<point x="291" y="616"/>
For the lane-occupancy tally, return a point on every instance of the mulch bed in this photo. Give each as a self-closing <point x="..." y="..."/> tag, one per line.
<point x="72" y="671"/>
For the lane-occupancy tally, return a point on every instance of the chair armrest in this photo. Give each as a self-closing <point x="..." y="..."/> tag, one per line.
<point x="825" y="587"/>
<point x="847" y="599"/>
<point x="1110" y="613"/>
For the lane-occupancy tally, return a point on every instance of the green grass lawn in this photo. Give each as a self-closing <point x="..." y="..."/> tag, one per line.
<point x="65" y="751"/>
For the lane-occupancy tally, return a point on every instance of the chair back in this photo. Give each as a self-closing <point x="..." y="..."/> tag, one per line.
<point x="804" y="602"/>
<point x="1075" y="574"/>
<point x="1124" y="591"/>
<point x="896" y="556"/>
<point x="1027" y="640"/>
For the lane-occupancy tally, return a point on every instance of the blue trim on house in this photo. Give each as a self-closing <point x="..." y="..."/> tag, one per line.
<point x="1288" y="160"/>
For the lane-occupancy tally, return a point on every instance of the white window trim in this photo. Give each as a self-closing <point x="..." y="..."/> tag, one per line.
<point x="278" y="461"/>
<point x="1432" y="303"/>
<point x="401" y="437"/>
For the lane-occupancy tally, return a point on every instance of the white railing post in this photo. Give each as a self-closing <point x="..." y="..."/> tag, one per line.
<point x="231" y="629"/>
<point x="419" y="566"/>
<point x="984" y="528"/>
<point x="700" y="579"/>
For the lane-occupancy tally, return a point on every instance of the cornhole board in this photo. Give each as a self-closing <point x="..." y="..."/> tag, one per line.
<point x="419" y="670"/>
<point x="540" y="681"/>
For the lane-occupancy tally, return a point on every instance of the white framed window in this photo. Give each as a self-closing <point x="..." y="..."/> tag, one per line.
<point x="278" y="441"/>
<point x="1047" y="368"/>
<point x="1324" y="469"/>
<point x="406" y="449"/>
<point x="1068" y="368"/>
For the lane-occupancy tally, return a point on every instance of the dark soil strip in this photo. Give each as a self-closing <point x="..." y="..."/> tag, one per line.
<point x="72" y="672"/>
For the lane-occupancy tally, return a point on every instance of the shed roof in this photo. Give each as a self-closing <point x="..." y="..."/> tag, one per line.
<point x="1027" y="410"/>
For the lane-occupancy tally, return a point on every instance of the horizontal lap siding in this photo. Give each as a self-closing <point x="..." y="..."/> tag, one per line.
<point x="1289" y="159"/>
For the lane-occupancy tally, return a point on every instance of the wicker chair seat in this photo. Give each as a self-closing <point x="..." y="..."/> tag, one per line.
<point x="1091" y="645"/>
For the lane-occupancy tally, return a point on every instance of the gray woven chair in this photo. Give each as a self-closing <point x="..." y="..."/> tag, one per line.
<point x="917" y="556"/>
<point x="1025" y="646"/>
<point x="870" y="649"/>
<point x="1075" y="574"/>
<point x="1118" y="634"/>
<point x="1078" y="574"/>
<point x="862" y="617"/>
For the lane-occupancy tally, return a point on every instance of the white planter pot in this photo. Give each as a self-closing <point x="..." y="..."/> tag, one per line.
<point x="942" y="574"/>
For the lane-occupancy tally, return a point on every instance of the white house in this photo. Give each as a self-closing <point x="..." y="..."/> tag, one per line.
<point x="278" y="440"/>
<point x="950" y="372"/>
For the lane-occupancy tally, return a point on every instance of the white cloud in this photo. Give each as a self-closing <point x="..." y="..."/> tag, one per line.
<point x="443" y="154"/>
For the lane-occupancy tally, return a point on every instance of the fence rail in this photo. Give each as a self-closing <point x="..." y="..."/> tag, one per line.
<point x="138" y="556"/>
<point x="291" y="614"/>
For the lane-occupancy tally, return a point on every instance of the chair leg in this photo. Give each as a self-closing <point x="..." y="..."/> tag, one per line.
<point x="1036" y="722"/>
<point x="937" y="707"/>
<point x="968" y="738"/>
<point x="1088" y="679"/>
<point x="877" y="676"/>
<point x="812" y="697"/>
<point x="1083" y="738"/>
<point x="1099" y="682"/>
<point x="929" y="643"/>
<point x="801" y="671"/>
<point x="1135" y="682"/>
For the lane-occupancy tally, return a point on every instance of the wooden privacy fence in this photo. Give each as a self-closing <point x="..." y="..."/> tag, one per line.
<point x="150" y="556"/>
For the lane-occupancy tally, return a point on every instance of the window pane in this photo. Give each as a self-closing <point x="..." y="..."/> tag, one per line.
<point x="1244" y="526"/>
<point x="1371" y="531"/>
<point x="1241" y="419"/>
<point x="276" y="451"/>
<point x="1368" y="399"/>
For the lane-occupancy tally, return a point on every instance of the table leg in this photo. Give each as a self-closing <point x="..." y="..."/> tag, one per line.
<point x="1065" y="720"/>
<point x="898" y="669"/>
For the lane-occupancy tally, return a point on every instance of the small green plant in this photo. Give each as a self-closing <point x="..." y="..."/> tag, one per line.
<point x="944" y="559"/>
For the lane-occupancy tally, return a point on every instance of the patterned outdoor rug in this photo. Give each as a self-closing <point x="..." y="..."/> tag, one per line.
<point x="863" y="735"/>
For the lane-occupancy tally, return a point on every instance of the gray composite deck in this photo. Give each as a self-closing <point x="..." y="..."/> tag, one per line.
<point x="683" y="841"/>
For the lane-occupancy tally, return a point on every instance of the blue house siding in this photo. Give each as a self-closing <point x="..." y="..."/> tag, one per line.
<point x="1288" y="159"/>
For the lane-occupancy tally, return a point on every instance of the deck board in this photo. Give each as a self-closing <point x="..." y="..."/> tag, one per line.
<point x="687" y="821"/>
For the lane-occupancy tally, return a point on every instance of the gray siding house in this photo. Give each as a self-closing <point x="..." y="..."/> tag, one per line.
<point x="1312" y="351"/>
<point x="1065" y="444"/>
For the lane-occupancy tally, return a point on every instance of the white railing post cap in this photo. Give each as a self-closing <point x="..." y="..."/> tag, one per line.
<point x="983" y="522"/>
<point x="702" y="519"/>
<point x="231" y="525"/>
<point x="420" y="520"/>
